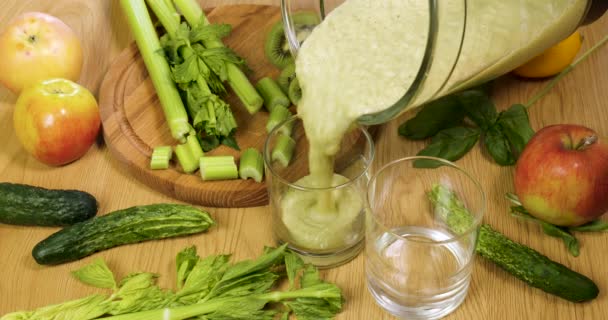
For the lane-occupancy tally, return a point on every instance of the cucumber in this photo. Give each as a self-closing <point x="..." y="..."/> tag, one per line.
<point x="519" y="260"/>
<point x="23" y="204"/>
<point x="534" y="268"/>
<point x="130" y="225"/>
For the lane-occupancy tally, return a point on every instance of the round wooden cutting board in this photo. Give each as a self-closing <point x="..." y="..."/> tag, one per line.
<point x="133" y="121"/>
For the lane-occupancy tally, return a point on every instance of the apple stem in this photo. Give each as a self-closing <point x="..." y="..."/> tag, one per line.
<point x="586" y="142"/>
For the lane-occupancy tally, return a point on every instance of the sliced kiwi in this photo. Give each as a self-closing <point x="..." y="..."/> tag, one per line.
<point x="277" y="47"/>
<point x="286" y="77"/>
<point x="295" y="92"/>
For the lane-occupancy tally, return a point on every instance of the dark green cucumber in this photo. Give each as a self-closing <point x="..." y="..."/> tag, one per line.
<point x="131" y="225"/>
<point x="28" y="205"/>
<point x="519" y="260"/>
<point x="534" y="268"/>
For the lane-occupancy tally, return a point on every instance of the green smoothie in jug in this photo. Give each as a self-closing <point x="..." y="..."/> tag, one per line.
<point x="365" y="55"/>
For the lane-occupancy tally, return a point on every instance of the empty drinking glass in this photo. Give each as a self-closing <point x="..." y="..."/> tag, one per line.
<point x="422" y="222"/>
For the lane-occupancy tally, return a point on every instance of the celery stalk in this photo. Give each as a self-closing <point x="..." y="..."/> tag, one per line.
<point x="189" y="153"/>
<point x="165" y="15"/>
<point x="148" y="43"/>
<point x="272" y="94"/>
<point x="283" y="150"/>
<point x="218" y="168"/>
<point x="160" y="157"/>
<point x="237" y="80"/>
<point x="251" y="165"/>
<point x="277" y="116"/>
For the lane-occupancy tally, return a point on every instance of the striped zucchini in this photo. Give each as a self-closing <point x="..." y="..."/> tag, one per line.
<point x="131" y="225"/>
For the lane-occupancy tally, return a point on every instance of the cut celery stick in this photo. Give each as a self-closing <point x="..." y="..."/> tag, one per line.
<point x="278" y="115"/>
<point x="283" y="150"/>
<point x="160" y="157"/>
<point x="218" y="168"/>
<point x="189" y="153"/>
<point x="251" y="165"/>
<point x="272" y="94"/>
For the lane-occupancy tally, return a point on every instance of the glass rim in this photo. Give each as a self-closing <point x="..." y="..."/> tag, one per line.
<point x="478" y="218"/>
<point x="422" y="73"/>
<point x="275" y="175"/>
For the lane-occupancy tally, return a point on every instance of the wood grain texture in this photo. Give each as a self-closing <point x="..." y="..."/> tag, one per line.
<point x="579" y="98"/>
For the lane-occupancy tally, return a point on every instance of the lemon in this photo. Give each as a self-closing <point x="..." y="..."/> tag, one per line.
<point x="553" y="60"/>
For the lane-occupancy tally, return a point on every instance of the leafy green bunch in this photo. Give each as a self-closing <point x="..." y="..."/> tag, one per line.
<point x="200" y="73"/>
<point x="456" y="122"/>
<point x="209" y="288"/>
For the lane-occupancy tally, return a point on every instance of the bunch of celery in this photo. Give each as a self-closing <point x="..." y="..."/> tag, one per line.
<point x="207" y="288"/>
<point x="188" y="66"/>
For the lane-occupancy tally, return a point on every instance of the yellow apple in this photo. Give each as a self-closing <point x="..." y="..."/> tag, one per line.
<point x="56" y="120"/>
<point x="36" y="46"/>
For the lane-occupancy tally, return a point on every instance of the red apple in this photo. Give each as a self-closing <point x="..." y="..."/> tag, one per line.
<point x="56" y="120"/>
<point x="36" y="46"/>
<point x="561" y="176"/>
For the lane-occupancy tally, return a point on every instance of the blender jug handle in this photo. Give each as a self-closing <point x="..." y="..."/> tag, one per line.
<point x="596" y="9"/>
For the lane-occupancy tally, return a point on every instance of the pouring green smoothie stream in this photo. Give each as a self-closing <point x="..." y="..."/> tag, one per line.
<point x="368" y="61"/>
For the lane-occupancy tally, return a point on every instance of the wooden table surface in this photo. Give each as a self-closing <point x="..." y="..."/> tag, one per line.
<point x="579" y="98"/>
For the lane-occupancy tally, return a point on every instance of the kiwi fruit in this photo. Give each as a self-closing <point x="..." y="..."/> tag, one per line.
<point x="276" y="47"/>
<point x="286" y="77"/>
<point x="295" y="92"/>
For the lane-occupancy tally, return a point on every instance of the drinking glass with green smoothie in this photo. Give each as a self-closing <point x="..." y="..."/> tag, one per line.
<point x="364" y="62"/>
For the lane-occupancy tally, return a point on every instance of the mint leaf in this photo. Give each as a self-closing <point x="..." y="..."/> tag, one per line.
<point x="515" y="125"/>
<point x="440" y="114"/>
<point x="479" y="107"/>
<point x="450" y="144"/>
<point x="96" y="274"/>
<point x="498" y="146"/>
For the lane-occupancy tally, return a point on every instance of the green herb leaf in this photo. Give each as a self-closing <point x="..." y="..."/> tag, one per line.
<point x="327" y="302"/>
<point x="247" y="267"/>
<point x="593" y="226"/>
<point x="310" y="277"/>
<point x="498" y="146"/>
<point x="479" y="107"/>
<point x="549" y="229"/>
<point x="96" y="274"/>
<point x="91" y="307"/>
<point x="515" y="125"/>
<point x="450" y="144"/>
<point x="203" y="277"/>
<point x="440" y="114"/>
<point x="209" y="32"/>
<point x="293" y="265"/>
<point x="568" y="239"/>
<point x="185" y="261"/>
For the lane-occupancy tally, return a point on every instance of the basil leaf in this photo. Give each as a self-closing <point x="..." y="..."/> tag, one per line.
<point x="440" y="114"/>
<point x="593" y="226"/>
<point x="549" y="229"/>
<point x="568" y="239"/>
<point x="515" y="125"/>
<point x="449" y="144"/>
<point x="498" y="146"/>
<point x="479" y="108"/>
